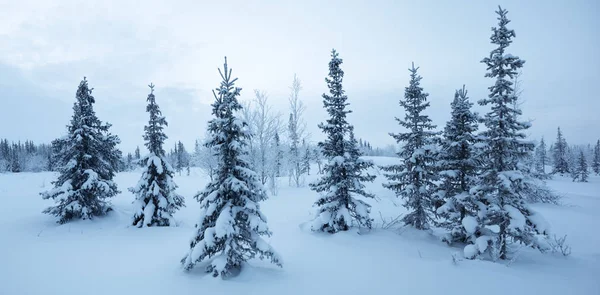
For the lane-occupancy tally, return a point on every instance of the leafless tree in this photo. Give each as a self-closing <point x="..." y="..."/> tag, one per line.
<point x="296" y="133"/>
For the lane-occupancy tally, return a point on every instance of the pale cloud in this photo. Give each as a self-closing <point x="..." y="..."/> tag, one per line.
<point x="122" y="46"/>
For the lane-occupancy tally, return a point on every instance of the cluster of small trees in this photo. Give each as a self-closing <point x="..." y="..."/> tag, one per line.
<point x="25" y="157"/>
<point x="178" y="156"/>
<point x="567" y="160"/>
<point x="476" y="184"/>
<point x="367" y="149"/>
<point x="131" y="161"/>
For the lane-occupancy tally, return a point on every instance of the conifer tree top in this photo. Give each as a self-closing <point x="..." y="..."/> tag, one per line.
<point x="154" y="135"/>
<point x="414" y="103"/>
<point x="499" y="64"/>
<point x="335" y="103"/>
<point x="83" y="111"/>
<point x="414" y="92"/>
<point x="502" y="120"/>
<point x="336" y="75"/>
<point x="226" y="98"/>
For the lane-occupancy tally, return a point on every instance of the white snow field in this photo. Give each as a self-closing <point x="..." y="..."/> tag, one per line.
<point x="108" y="256"/>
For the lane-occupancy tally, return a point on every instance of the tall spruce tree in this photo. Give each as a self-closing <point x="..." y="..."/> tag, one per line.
<point x="155" y="198"/>
<point x="344" y="173"/>
<point x="231" y="224"/>
<point x="596" y="158"/>
<point x="560" y="155"/>
<point x="414" y="178"/>
<point x="458" y="168"/>
<point x="87" y="161"/>
<point x="580" y="171"/>
<point x="503" y="216"/>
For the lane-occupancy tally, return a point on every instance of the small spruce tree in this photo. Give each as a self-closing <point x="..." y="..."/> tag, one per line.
<point x="15" y="159"/>
<point x="181" y="157"/>
<point x="458" y="169"/>
<point x="581" y="169"/>
<point x="572" y="158"/>
<point x="596" y="158"/>
<point x="138" y="156"/>
<point x="560" y="155"/>
<point x="541" y="160"/>
<point x="278" y="154"/>
<point x="129" y="162"/>
<point x="306" y="161"/>
<point x="155" y="198"/>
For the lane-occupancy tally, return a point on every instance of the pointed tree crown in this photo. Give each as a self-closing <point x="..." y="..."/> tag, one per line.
<point x="154" y="135"/>
<point x="336" y="126"/>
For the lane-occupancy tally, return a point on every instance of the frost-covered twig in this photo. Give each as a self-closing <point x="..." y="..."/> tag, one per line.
<point x="558" y="245"/>
<point x="392" y="223"/>
<point x="455" y="259"/>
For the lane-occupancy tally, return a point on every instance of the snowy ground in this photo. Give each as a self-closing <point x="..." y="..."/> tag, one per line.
<point x="106" y="256"/>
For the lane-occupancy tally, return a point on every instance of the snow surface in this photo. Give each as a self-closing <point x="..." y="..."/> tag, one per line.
<point x="107" y="256"/>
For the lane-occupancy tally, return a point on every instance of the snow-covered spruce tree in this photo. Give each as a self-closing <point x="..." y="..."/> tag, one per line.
<point x="278" y="153"/>
<point x="275" y="159"/>
<point x="306" y="160"/>
<point x="458" y="169"/>
<point x="541" y="160"/>
<point x="231" y="223"/>
<point x="503" y="216"/>
<point x="15" y="160"/>
<point x="155" y="197"/>
<point x="560" y="155"/>
<point x="581" y="172"/>
<point x="129" y="162"/>
<point x="344" y="173"/>
<point x="87" y="161"/>
<point x="596" y="158"/>
<point x="181" y="157"/>
<point x="414" y="178"/>
<point x="572" y="157"/>
<point x="138" y="156"/>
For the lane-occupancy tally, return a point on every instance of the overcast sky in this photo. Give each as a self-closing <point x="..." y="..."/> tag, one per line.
<point x="46" y="47"/>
